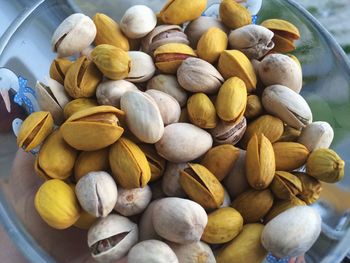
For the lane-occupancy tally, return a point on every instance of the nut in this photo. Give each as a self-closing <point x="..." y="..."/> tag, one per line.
<point x="280" y="206"/>
<point x="286" y="185"/>
<point x="317" y="135"/>
<point x="211" y="44"/>
<point x="230" y="133"/>
<point x="171" y="180"/>
<point x="254" y="107"/>
<point x="233" y="15"/>
<point x="282" y="28"/>
<point x="85" y="221"/>
<point x="58" y="69"/>
<point x="77" y="105"/>
<point x="142" y="67"/>
<point x="156" y="162"/>
<point x="290" y="155"/>
<point x="290" y="135"/>
<point x="194" y="252"/>
<point x="311" y="188"/>
<point x="146" y="229"/>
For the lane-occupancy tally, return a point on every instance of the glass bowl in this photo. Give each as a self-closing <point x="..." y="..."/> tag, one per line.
<point x="25" y="49"/>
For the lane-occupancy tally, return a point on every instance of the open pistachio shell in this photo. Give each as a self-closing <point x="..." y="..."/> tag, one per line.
<point x="129" y="164"/>
<point x="227" y="132"/>
<point x="311" y="188"/>
<point x="282" y="45"/>
<point x="93" y="128"/>
<point x="286" y="185"/>
<point x="233" y="15"/>
<point x="59" y="68"/>
<point x="290" y="134"/>
<point x="77" y="105"/>
<point x="34" y="130"/>
<point x="254" y="107"/>
<point x="282" y="27"/>
<point x="142" y="67"/>
<point x="155" y="161"/>
<point x="202" y="186"/>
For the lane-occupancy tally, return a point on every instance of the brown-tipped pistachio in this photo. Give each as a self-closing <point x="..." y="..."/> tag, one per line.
<point x="226" y="132"/>
<point x="311" y="188"/>
<point x="59" y="68"/>
<point x="285" y="185"/>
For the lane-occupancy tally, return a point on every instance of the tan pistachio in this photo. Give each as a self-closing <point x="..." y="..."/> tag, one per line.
<point x="317" y="135"/>
<point x="226" y="132"/>
<point x="77" y="105"/>
<point x="311" y="188"/>
<point x="254" y="107"/>
<point x="234" y="15"/>
<point x="290" y="155"/>
<point x="211" y="44"/>
<point x="155" y="161"/>
<point x="58" y="69"/>
<point x="285" y="185"/>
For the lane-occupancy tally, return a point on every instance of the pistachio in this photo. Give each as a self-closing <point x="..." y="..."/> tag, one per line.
<point x="282" y="27"/>
<point x="34" y="130"/>
<point x="138" y="21"/>
<point x="194" y="252"/>
<point x="201" y="111"/>
<point x="311" y="188"/>
<point x="142" y="67"/>
<point x="169" y="57"/>
<point x="223" y="225"/>
<point x="233" y="15"/>
<point x="233" y="63"/>
<point x="184" y="116"/>
<point x="179" y="11"/>
<point x="278" y="69"/>
<point x="211" y="44"/>
<point x="65" y="41"/>
<point x="93" y="128"/>
<point x="111" y="238"/>
<point x="325" y="165"/>
<point x="112" y="61"/>
<point x="82" y="79"/>
<point x="253" y="205"/>
<point x="317" y="135"/>
<point x="290" y="155"/>
<point x="196" y="75"/>
<point x="77" y="105"/>
<point x="179" y="220"/>
<point x="202" y="186"/>
<point x="143" y="116"/>
<point x="253" y="40"/>
<point x="282" y="205"/>
<point x="85" y="220"/>
<point x="110" y="92"/>
<point x="230" y="133"/>
<point x="281" y="236"/>
<point x="151" y="251"/>
<point x="91" y="161"/>
<point x="146" y="229"/>
<point x="133" y="201"/>
<point x="290" y="135"/>
<point x="183" y="142"/>
<point x="155" y="161"/>
<point x="286" y="185"/>
<point x="171" y="180"/>
<point x="288" y="105"/>
<point x="169" y="85"/>
<point x="58" y="69"/>
<point x="283" y="45"/>
<point x="129" y="164"/>
<point x="97" y="193"/>
<point x="57" y="205"/>
<point x="109" y="32"/>
<point x="254" y="107"/>
<point x="169" y="108"/>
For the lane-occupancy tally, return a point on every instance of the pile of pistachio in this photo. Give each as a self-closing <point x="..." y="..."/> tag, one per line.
<point x="180" y="144"/>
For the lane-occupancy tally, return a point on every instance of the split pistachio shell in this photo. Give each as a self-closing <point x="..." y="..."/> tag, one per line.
<point x="161" y="35"/>
<point x="142" y="67"/>
<point x="112" y="61"/>
<point x="285" y="185"/>
<point x="77" y="105"/>
<point x="91" y="161"/>
<point x="110" y="92"/>
<point x="129" y="164"/>
<point x="220" y="160"/>
<point x="281" y="236"/>
<point x="111" y="238"/>
<point x="288" y="105"/>
<point x="290" y="155"/>
<point x="290" y="134"/>
<point x="282" y="27"/>
<point x="138" y="21"/>
<point x="51" y="154"/>
<point x="233" y="15"/>
<point x="34" y="130"/>
<point x="283" y="45"/>
<point x="73" y="35"/>
<point x="311" y="188"/>
<point x="233" y="63"/>
<point x="171" y="180"/>
<point x="201" y="111"/>
<point x="202" y="186"/>
<point x="223" y="225"/>
<point x="211" y="44"/>
<point x="254" y="107"/>
<point x="278" y="69"/>
<point x="246" y="247"/>
<point x="179" y="11"/>
<point x="253" y="40"/>
<point x="58" y="69"/>
<point x="179" y="220"/>
<point x="152" y="251"/>
<point x="169" y="57"/>
<point x="232" y="100"/>
<point x="155" y="161"/>
<point x="282" y="205"/>
<point x="143" y="116"/>
<point x="169" y="85"/>
<point x="199" y="26"/>
<point x="146" y="229"/>
<point x="226" y="132"/>
<point x="93" y="128"/>
<point x="169" y="108"/>
<point x="317" y="135"/>
<point x="183" y="142"/>
<point x="109" y="32"/>
<point x="82" y="79"/>
<point x="197" y="75"/>
<point x="57" y="205"/>
<point x="97" y="193"/>
<point x="194" y="252"/>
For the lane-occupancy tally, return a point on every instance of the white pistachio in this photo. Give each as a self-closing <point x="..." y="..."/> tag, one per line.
<point x="142" y="67"/>
<point x="170" y="181"/>
<point x="146" y="229"/>
<point x="198" y="252"/>
<point x="317" y="135"/>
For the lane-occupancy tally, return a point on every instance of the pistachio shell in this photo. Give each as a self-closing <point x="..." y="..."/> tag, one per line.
<point x="57" y="205"/>
<point x="289" y="106"/>
<point x="232" y="100"/>
<point x="317" y="135"/>
<point x="196" y="75"/>
<point x="282" y="205"/>
<point x="282" y="27"/>
<point x="142" y="67"/>
<point x="52" y="153"/>
<point x="283" y="45"/>
<point x="285" y="185"/>
<point x="156" y="162"/>
<point x="311" y="188"/>
<point x="112" y="61"/>
<point x="233" y="15"/>
<point x="183" y="142"/>
<point x="58" y="69"/>
<point x="290" y="134"/>
<point x="233" y="63"/>
<point x="129" y="164"/>
<point x="202" y="186"/>
<point x="230" y="133"/>
<point x="220" y="160"/>
<point x="211" y="44"/>
<point x="180" y="11"/>
<point x="290" y="155"/>
<point x="184" y="116"/>
<point x="194" y="252"/>
<point x="93" y="128"/>
<point x="146" y="229"/>
<point x="170" y="181"/>
<point x="254" y="107"/>
<point x="85" y="220"/>
<point x="109" y="32"/>
<point x="223" y="225"/>
<point x="201" y="111"/>
<point x="82" y="79"/>
<point x="34" y="130"/>
<point x="77" y="105"/>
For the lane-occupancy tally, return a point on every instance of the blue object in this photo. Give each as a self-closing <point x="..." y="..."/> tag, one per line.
<point x="272" y="259"/>
<point x="20" y="98"/>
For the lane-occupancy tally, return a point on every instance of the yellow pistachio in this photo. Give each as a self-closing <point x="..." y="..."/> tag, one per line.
<point x="59" y="68"/>
<point x="234" y="15"/>
<point x="78" y="104"/>
<point x="286" y="185"/>
<point x="155" y="161"/>
<point x="290" y="155"/>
